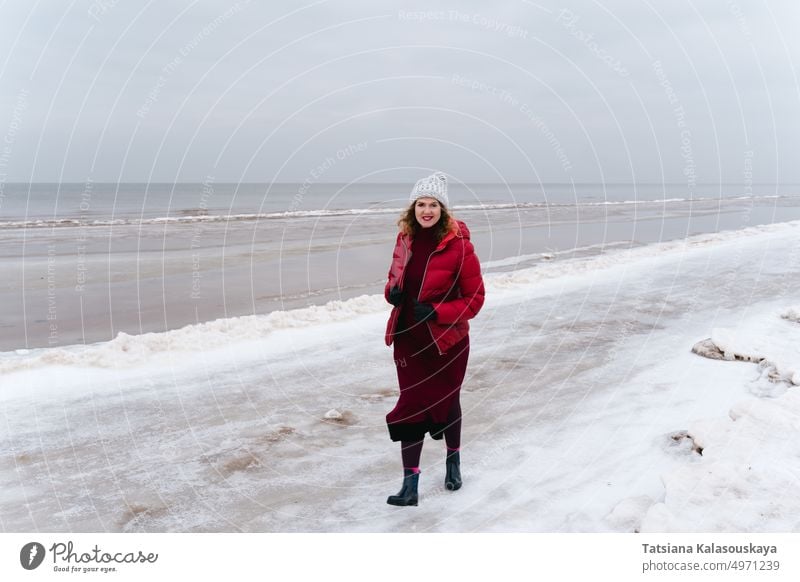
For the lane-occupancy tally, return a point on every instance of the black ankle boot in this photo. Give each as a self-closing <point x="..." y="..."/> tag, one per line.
<point x="452" y="478"/>
<point x="408" y="494"/>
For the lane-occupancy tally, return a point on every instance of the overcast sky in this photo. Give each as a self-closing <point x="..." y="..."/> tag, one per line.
<point x="614" y="91"/>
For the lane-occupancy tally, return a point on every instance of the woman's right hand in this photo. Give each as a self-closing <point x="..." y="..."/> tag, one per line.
<point x="395" y="296"/>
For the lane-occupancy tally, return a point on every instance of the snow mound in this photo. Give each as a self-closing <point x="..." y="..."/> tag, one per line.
<point x="792" y="314"/>
<point x="750" y="467"/>
<point x="127" y="350"/>
<point x="773" y="341"/>
<point x="750" y="461"/>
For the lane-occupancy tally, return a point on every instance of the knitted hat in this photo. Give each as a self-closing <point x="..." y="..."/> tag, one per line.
<point x="434" y="186"/>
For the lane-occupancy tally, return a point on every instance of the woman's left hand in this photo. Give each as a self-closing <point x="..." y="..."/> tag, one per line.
<point x="424" y="311"/>
<point x="396" y="296"/>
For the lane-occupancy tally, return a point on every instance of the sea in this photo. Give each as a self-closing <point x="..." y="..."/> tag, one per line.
<point x="66" y="204"/>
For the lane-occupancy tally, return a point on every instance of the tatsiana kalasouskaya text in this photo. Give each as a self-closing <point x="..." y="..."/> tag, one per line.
<point x="708" y="549"/>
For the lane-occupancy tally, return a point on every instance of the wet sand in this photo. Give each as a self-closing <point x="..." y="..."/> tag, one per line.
<point x="80" y="284"/>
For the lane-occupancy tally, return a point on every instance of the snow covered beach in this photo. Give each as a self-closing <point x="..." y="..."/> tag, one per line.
<point x="585" y="409"/>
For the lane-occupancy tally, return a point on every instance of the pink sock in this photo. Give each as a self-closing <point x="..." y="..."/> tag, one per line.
<point x="453" y="450"/>
<point x="415" y="469"/>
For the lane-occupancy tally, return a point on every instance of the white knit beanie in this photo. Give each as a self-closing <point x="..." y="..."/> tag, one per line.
<point x="434" y="186"/>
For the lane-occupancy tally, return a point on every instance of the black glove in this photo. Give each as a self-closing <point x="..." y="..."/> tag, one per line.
<point x="395" y="296"/>
<point x="424" y="312"/>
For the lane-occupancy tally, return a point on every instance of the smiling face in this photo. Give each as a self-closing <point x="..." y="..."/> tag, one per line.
<point x="428" y="211"/>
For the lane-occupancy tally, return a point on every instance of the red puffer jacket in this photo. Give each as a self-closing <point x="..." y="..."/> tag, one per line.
<point x="452" y="283"/>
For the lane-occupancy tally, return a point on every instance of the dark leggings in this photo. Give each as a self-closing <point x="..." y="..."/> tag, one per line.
<point x="412" y="450"/>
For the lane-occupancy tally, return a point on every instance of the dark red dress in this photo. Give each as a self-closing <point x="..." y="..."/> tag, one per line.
<point x="429" y="382"/>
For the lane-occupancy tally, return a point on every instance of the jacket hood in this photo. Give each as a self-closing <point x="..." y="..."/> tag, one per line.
<point x="457" y="230"/>
<point x="462" y="229"/>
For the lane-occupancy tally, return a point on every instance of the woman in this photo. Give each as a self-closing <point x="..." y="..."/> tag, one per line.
<point x="435" y="285"/>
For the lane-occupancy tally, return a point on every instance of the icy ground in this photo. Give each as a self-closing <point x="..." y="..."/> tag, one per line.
<point x="584" y="410"/>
